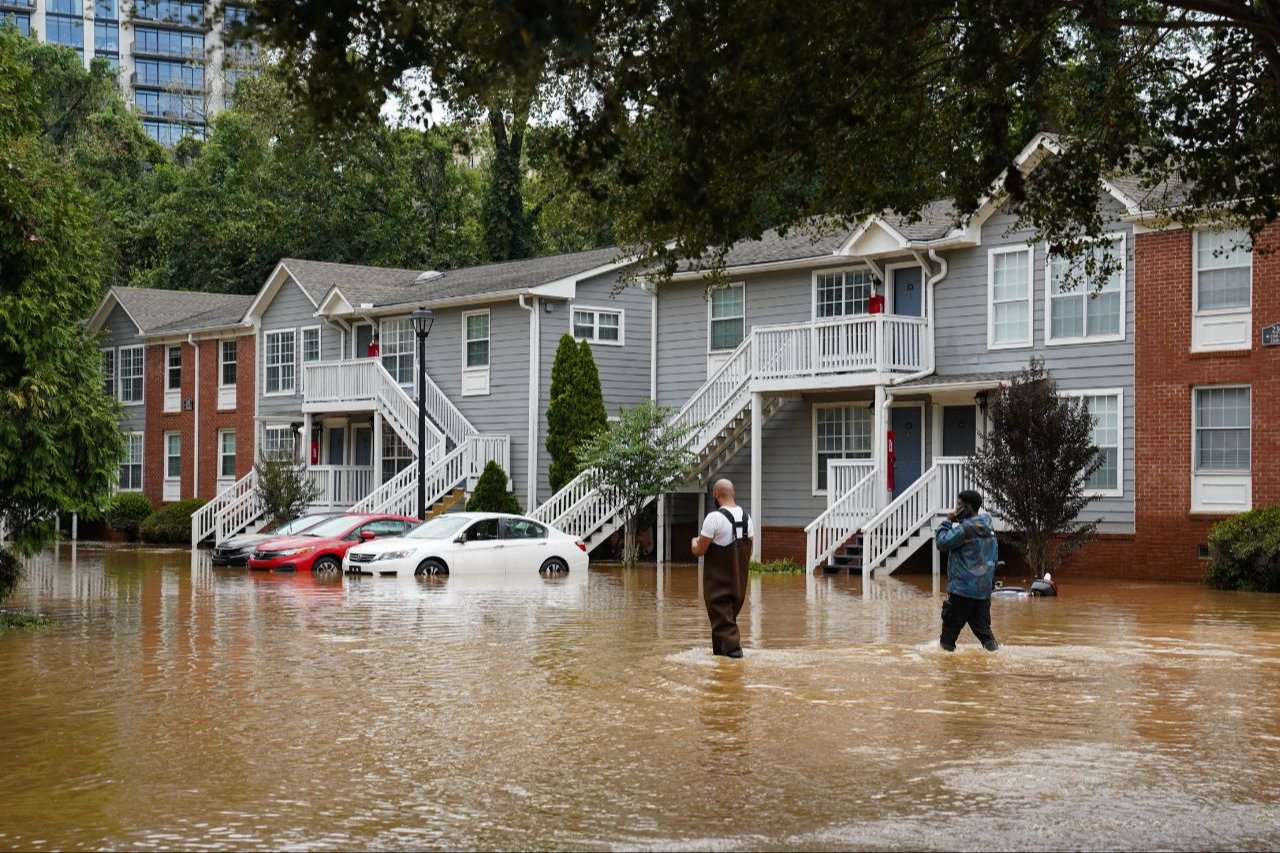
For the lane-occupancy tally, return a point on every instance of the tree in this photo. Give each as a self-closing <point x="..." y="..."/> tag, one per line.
<point x="492" y="494"/>
<point x="1033" y="467"/>
<point x="284" y="487"/>
<point x="640" y="456"/>
<point x="60" y="444"/>
<point x="719" y="121"/>
<point x="576" y="409"/>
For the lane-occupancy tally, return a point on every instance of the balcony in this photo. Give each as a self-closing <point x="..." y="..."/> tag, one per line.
<point x="195" y="57"/>
<point x="18" y="5"/>
<point x="340" y="486"/>
<point x="840" y="352"/>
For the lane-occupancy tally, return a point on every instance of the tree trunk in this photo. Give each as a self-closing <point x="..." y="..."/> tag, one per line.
<point x="629" y="542"/>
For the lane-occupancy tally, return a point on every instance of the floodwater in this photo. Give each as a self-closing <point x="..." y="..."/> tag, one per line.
<point x="180" y="706"/>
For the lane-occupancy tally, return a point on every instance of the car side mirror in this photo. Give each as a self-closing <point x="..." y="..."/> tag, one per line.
<point x="461" y="540"/>
<point x="366" y="535"/>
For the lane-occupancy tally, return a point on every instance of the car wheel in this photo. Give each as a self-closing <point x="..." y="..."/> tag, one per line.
<point x="554" y="566"/>
<point x="326" y="566"/>
<point x="431" y="567"/>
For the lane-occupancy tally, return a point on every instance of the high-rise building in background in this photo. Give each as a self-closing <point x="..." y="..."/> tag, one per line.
<point x="175" y="60"/>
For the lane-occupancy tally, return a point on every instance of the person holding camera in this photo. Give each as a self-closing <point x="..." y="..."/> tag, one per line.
<point x="726" y="540"/>
<point x="970" y="543"/>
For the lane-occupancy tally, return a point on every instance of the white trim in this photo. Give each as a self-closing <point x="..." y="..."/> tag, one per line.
<point x="475" y="379"/>
<point x="222" y="454"/>
<point x="293" y="390"/>
<point x="269" y="290"/>
<point x="595" y="339"/>
<point x="888" y="421"/>
<point x="813" y="436"/>
<point x="1222" y="482"/>
<point x="1118" y="393"/>
<point x="222" y="361"/>
<point x="745" y="330"/>
<point x="171" y="485"/>
<point x="1215" y="386"/>
<point x="813" y="287"/>
<point x="1081" y="292"/>
<point x="890" y="303"/>
<point x="142" y="460"/>
<point x="1195" y="274"/>
<point x="115" y="370"/>
<point x="141" y="376"/>
<point x="355" y="324"/>
<point x="1030" y="249"/>
<point x="100" y="316"/>
<point x="1239" y="318"/>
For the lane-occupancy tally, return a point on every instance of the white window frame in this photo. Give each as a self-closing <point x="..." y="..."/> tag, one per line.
<point x="266" y="364"/>
<point x="1218" y="329"/>
<point x="813" y="437"/>
<point x="172" y="489"/>
<point x="595" y="324"/>
<point x="746" y="330"/>
<point x="1031" y="295"/>
<point x="111" y="351"/>
<point x="303" y="361"/>
<point x="413" y="348"/>
<point x="169" y="368"/>
<point x="1195" y="277"/>
<point x="1221" y="481"/>
<point x="222" y="362"/>
<point x="1118" y="393"/>
<point x="1195" y="392"/>
<point x="813" y="301"/>
<point x="129" y="463"/>
<point x="268" y="429"/>
<point x="475" y="379"/>
<point x="1082" y="291"/>
<point x="222" y="454"/>
<point x="141" y="377"/>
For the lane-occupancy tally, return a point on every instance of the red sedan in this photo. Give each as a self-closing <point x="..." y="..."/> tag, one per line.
<point x="321" y="548"/>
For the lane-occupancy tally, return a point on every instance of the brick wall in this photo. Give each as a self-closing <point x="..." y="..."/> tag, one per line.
<point x="213" y="419"/>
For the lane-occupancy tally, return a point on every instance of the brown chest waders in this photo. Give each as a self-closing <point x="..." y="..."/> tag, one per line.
<point x="724" y="586"/>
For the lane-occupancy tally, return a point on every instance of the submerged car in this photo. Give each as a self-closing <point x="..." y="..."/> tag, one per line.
<point x="471" y="543"/>
<point x="321" y="548"/>
<point x="235" y="551"/>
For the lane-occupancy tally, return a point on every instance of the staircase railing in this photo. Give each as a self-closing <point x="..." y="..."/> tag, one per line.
<point x="339" y="486"/>
<point x="442" y="410"/>
<point x="399" y="495"/>
<point x="203" y="519"/>
<point x="842" y="519"/>
<point x="915" y="507"/>
<point x="387" y="490"/>
<point x="238" y="514"/>
<point x="366" y="381"/>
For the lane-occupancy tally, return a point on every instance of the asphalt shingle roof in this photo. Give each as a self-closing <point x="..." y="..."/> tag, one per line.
<point x="936" y="219"/>
<point x="802" y="241"/>
<point x="1159" y="196"/>
<point x="179" y="310"/>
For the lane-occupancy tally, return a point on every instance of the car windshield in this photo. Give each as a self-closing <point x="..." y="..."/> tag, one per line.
<point x="442" y="527"/>
<point x="300" y="524"/>
<point x="336" y="526"/>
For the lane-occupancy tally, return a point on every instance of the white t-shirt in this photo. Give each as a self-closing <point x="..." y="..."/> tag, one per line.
<point x="718" y="529"/>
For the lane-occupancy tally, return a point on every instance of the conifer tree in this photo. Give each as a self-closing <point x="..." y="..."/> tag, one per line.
<point x="492" y="494"/>
<point x="576" y="410"/>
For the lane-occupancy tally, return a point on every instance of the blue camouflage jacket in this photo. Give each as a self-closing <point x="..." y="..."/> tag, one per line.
<point x="971" y="564"/>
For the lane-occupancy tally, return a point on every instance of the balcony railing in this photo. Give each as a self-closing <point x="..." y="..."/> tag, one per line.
<point x="873" y="343"/>
<point x="340" y="486"/>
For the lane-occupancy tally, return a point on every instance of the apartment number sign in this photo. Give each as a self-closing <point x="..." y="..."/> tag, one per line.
<point x="1271" y="335"/>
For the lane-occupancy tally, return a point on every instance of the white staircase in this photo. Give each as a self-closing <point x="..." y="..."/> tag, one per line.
<point x="907" y="522"/>
<point x="847" y="513"/>
<point x="365" y="384"/>
<point x="231" y="511"/>
<point x="721" y="411"/>
<point x="458" y="469"/>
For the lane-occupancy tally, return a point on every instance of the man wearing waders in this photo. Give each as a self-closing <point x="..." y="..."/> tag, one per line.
<point x="726" y="542"/>
<point x="970" y="541"/>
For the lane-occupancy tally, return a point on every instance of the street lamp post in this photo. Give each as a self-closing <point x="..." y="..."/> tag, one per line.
<point x="422" y="320"/>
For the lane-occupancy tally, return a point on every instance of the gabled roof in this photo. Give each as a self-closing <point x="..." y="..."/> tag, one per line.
<point x="316" y="278"/>
<point x="156" y="311"/>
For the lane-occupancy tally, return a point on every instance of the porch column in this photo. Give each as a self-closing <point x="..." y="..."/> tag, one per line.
<point x="880" y="446"/>
<point x="757" y="471"/>
<point x="304" y="441"/>
<point x="660" y="551"/>
<point x="377" y="448"/>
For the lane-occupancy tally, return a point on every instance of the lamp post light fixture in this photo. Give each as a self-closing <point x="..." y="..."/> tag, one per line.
<point x="422" y="320"/>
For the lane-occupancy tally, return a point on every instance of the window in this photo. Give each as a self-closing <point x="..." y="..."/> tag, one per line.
<point x="170" y="11"/>
<point x="169" y="104"/>
<point x="161" y="72"/>
<point x="597" y="326"/>
<point x="227" y="372"/>
<point x="1223" y="270"/>
<point x="106" y="37"/>
<point x="66" y="7"/>
<point x="1009" y="282"/>
<point x="19" y="20"/>
<point x="396" y="345"/>
<point x="523" y="528"/>
<point x="483" y="531"/>
<point x="843" y="294"/>
<point x="1222" y="429"/>
<point x="381" y="527"/>
<point x="169" y="43"/>
<point x="280" y="360"/>
<point x="728" y="316"/>
<point x="173" y="371"/>
<point x="840" y="432"/>
<point x="106" y="8"/>
<point x="130" y="372"/>
<point x="169" y="134"/>
<point x="1107" y="410"/>
<point x="172" y="455"/>
<point x="1081" y="307"/>
<point x="395" y="453"/>
<point x="65" y="31"/>
<point x="278" y="441"/>
<point x="310" y="344"/>
<point x="477" y="338"/>
<point x="109" y="372"/>
<point x="227" y="454"/>
<point x="131" y="465"/>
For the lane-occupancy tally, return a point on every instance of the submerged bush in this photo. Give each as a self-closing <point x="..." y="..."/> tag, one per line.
<point x="125" y="512"/>
<point x="777" y="567"/>
<point x="171" y="524"/>
<point x="1244" y="552"/>
<point x="491" y="494"/>
<point x="10" y="572"/>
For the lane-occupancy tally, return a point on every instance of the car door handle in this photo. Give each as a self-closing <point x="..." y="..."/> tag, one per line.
<point x="496" y="547"/>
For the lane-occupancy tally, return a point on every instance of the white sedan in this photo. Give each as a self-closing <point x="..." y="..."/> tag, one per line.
<point x="470" y="543"/>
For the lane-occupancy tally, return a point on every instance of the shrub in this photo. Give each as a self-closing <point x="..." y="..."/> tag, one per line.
<point x="491" y="494"/>
<point x="1244" y="552"/>
<point x="777" y="567"/>
<point x="575" y="411"/>
<point x="171" y="524"/>
<point x="10" y="572"/>
<point x="284" y="487"/>
<point x="125" y="512"/>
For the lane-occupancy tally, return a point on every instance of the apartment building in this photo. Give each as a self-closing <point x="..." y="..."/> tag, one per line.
<point x="175" y="58"/>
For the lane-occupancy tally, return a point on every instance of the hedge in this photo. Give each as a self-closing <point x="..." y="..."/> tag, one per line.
<point x="1244" y="552"/>
<point x="125" y="512"/>
<point x="171" y="524"/>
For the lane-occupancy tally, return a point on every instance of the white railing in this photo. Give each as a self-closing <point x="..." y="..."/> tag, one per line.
<point x="237" y="515"/>
<point x="852" y="509"/>
<point x="446" y="414"/>
<point x="203" y="520"/>
<point x="843" y="475"/>
<point x="366" y="382"/>
<point x="387" y="490"/>
<point x="559" y="504"/>
<point x="441" y="478"/>
<point x="340" y="486"/>
<point x="868" y="342"/>
<point x="485" y="448"/>
<point x="916" y="506"/>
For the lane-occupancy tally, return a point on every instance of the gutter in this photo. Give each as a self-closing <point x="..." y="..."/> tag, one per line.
<point x="531" y="489"/>
<point x="649" y="288"/>
<point x="931" y="320"/>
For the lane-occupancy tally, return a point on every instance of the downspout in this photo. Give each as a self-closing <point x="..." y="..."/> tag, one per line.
<point x="531" y="490"/>
<point x="195" y="419"/>
<point x="650" y="289"/>
<point x="931" y="319"/>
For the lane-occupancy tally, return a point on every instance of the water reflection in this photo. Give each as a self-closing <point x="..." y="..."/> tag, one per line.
<point x="178" y="705"/>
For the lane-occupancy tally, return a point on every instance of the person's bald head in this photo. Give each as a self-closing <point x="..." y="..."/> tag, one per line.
<point x="723" y="490"/>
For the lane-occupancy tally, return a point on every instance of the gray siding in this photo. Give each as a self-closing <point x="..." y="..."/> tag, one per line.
<point x="291" y="309"/>
<point x="120" y="331"/>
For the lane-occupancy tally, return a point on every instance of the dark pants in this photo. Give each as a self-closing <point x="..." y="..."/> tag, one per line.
<point x="724" y="591"/>
<point x="957" y="611"/>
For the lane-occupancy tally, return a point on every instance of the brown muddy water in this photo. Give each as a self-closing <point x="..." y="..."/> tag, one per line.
<point x="179" y="706"/>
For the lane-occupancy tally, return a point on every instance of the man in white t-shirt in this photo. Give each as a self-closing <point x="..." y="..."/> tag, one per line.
<point x="726" y="541"/>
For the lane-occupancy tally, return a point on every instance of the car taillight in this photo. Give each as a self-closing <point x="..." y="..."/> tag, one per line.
<point x="582" y="545"/>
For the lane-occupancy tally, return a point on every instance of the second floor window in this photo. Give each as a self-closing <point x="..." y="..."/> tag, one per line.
<point x="1009" y="281"/>
<point x="227" y="370"/>
<point x="477" y="340"/>
<point x="130" y="374"/>
<point x="728" y="317"/>
<point x="280" y="362"/>
<point x="1222" y="429"/>
<point x="843" y="294"/>
<point x="1222" y="270"/>
<point x="597" y="326"/>
<point x="396" y="346"/>
<point x="1081" y="306"/>
<point x="174" y="370"/>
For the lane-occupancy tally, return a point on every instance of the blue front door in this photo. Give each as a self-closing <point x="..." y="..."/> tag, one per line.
<point x="908" y="283"/>
<point x="908" y="433"/>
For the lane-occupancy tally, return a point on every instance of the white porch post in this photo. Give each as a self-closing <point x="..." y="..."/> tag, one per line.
<point x="377" y="448"/>
<point x="757" y="471"/>
<point x="879" y="445"/>
<point x="660" y="550"/>
<point x="304" y="441"/>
